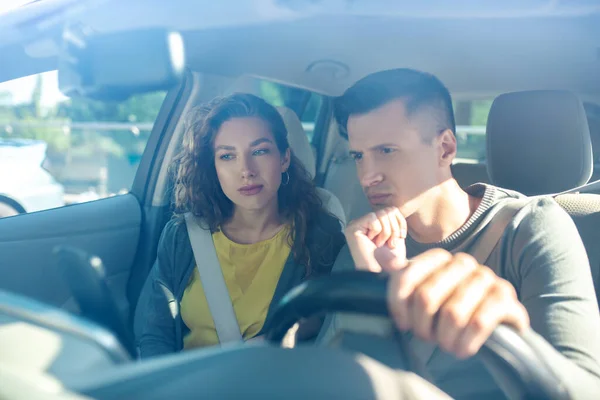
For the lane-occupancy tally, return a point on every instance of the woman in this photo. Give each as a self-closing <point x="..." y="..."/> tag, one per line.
<point x="236" y="174"/>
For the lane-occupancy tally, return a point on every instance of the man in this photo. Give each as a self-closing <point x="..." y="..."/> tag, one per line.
<point x="400" y="126"/>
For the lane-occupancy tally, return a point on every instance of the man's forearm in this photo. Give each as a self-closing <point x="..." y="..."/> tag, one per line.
<point x="580" y="382"/>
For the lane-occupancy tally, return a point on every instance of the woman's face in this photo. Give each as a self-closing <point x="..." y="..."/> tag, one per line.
<point x="249" y="165"/>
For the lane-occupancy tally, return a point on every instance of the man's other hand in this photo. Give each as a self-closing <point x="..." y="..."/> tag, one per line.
<point x="385" y="228"/>
<point x="450" y="299"/>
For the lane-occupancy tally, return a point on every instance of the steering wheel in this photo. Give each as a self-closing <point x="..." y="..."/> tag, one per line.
<point x="505" y="354"/>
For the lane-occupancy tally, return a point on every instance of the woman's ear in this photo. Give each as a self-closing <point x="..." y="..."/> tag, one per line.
<point x="286" y="160"/>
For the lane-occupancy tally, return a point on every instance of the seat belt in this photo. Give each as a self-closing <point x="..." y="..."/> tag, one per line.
<point x="213" y="283"/>
<point x="491" y="236"/>
<point x="217" y="294"/>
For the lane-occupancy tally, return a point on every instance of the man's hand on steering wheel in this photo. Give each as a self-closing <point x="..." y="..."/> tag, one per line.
<point x="447" y="298"/>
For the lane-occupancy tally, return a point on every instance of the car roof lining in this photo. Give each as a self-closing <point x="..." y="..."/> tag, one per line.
<point x="541" y="45"/>
<point x="503" y="56"/>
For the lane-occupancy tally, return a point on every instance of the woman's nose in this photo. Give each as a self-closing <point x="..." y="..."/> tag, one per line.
<point x="248" y="169"/>
<point x="246" y="174"/>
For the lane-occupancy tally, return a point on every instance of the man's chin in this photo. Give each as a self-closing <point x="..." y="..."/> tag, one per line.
<point x="405" y="210"/>
<point x="377" y="207"/>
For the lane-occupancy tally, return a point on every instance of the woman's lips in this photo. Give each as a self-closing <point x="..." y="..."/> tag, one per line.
<point x="250" y="190"/>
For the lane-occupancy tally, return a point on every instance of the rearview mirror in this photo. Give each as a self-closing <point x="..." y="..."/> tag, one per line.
<point x="116" y="65"/>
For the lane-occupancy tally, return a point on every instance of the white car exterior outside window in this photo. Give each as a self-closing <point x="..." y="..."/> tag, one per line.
<point x="23" y="178"/>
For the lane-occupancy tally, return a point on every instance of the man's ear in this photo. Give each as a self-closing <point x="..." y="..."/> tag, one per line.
<point x="286" y="160"/>
<point x="447" y="146"/>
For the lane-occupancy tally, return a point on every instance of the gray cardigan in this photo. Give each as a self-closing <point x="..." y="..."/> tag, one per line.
<point x="542" y="255"/>
<point x="158" y="324"/>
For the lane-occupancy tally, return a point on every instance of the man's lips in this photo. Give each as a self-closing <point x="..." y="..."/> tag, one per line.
<point x="250" y="190"/>
<point x="378" y="198"/>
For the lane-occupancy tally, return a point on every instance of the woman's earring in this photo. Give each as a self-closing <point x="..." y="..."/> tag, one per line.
<point x="286" y="178"/>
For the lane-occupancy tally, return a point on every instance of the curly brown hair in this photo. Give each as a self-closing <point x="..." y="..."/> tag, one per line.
<point x="197" y="186"/>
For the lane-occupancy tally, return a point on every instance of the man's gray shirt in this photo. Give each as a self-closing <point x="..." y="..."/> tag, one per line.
<point x="542" y="255"/>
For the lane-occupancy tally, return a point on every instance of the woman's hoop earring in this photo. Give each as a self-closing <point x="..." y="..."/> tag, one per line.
<point x="286" y="178"/>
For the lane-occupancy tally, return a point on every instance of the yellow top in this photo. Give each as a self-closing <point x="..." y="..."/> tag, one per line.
<point x="251" y="272"/>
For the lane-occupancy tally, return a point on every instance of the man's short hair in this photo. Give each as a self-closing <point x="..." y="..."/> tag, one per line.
<point x="418" y="90"/>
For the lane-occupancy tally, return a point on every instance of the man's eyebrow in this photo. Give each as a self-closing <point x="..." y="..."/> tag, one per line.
<point x="382" y="145"/>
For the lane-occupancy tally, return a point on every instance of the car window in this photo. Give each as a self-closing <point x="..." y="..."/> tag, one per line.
<point x="61" y="150"/>
<point x="471" y="119"/>
<point x="304" y="103"/>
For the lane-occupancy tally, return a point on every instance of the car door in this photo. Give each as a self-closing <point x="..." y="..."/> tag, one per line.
<point x="106" y="158"/>
<point x="119" y="229"/>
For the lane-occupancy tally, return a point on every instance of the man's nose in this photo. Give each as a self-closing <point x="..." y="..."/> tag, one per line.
<point x="368" y="174"/>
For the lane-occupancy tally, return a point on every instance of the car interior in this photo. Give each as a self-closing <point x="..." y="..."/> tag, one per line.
<point x="538" y="61"/>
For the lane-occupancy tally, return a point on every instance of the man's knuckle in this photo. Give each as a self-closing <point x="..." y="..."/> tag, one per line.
<point x="423" y="299"/>
<point x="354" y="224"/>
<point x="440" y="253"/>
<point x="466" y="260"/>
<point x="459" y="319"/>
<point x="365" y="219"/>
<point x="381" y="213"/>
<point x="479" y="322"/>
<point x="505" y="289"/>
<point x="486" y="275"/>
<point x="449" y="315"/>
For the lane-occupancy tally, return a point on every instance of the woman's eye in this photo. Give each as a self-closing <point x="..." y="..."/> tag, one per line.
<point x="260" y="152"/>
<point x="226" y="157"/>
<point x="387" y="150"/>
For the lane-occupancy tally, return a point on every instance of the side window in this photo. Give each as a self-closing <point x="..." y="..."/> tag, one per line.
<point x="304" y="103"/>
<point x="62" y="151"/>
<point x="471" y="119"/>
<point x="311" y="114"/>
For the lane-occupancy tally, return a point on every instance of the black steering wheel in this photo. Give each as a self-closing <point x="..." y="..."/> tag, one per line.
<point x="506" y="354"/>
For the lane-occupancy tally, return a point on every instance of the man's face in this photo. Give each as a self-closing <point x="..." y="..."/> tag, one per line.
<point x="396" y="165"/>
